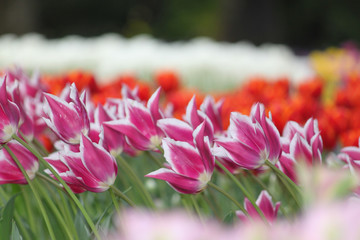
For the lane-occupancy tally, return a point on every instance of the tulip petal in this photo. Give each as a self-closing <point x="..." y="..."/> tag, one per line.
<point x="243" y="155"/>
<point x="300" y="150"/>
<point x="176" y="129"/>
<point x="203" y="145"/>
<point x="180" y="183"/>
<point x="153" y="105"/>
<point x="135" y="137"/>
<point x="183" y="158"/>
<point x="141" y="118"/>
<point x="98" y="161"/>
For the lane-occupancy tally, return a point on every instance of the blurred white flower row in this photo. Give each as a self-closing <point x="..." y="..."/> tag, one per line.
<point x="201" y="62"/>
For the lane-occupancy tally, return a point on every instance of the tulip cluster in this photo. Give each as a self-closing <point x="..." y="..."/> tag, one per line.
<point x="97" y="146"/>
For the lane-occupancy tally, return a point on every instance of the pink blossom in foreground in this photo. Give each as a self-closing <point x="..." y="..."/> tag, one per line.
<point x="337" y="220"/>
<point x="246" y="143"/>
<point x="265" y="204"/>
<point x="93" y="167"/>
<point x="190" y="167"/>
<point x="9" y="171"/>
<point x="175" y="225"/>
<point x="9" y="114"/>
<point x="67" y="118"/>
<point x="139" y="126"/>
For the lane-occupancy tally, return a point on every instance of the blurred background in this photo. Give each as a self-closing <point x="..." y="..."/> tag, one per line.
<point x="302" y="25"/>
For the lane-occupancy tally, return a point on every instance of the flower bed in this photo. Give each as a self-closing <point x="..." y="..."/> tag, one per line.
<point x="75" y="154"/>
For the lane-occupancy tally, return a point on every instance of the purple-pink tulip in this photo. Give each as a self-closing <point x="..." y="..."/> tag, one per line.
<point x="190" y="167"/>
<point x="9" y="114"/>
<point x="265" y="204"/>
<point x="93" y="167"/>
<point x="67" y="118"/>
<point x="139" y="126"/>
<point x="9" y="171"/>
<point x="300" y="144"/>
<point x="213" y="112"/>
<point x="249" y="143"/>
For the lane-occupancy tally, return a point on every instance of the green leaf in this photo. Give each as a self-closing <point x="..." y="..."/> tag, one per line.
<point x="229" y="217"/>
<point x="80" y="226"/>
<point x="15" y="235"/>
<point x="7" y="218"/>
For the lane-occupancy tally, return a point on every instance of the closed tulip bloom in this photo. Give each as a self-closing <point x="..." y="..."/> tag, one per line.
<point x="265" y="204"/>
<point x="9" y="171"/>
<point x="271" y="132"/>
<point x="303" y="143"/>
<point x="246" y="143"/>
<point x="213" y="112"/>
<point x="190" y="167"/>
<point x="9" y="114"/>
<point x="93" y="168"/>
<point x="139" y="126"/>
<point x="68" y="119"/>
<point x="56" y="160"/>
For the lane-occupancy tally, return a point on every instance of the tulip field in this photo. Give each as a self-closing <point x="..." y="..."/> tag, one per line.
<point x="135" y="159"/>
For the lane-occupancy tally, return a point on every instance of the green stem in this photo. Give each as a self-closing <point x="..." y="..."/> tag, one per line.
<point x="144" y="193"/>
<point x="122" y="196"/>
<point x="63" y="183"/>
<point x="56" y="212"/>
<point x="220" y="190"/>
<point x="50" y="180"/>
<point x="24" y="233"/>
<point x="243" y="190"/>
<point x="114" y="200"/>
<point x="67" y="213"/>
<point x="289" y="184"/>
<point x="155" y="160"/>
<point x="283" y="175"/>
<point x="196" y="207"/>
<point x="36" y="195"/>
<point x="40" y="147"/>
<point x="29" y="209"/>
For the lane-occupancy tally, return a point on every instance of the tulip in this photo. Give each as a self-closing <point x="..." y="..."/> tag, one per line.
<point x="93" y="166"/>
<point x="271" y="132"/>
<point x="265" y="204"/>
<point x="68" y="119"/>
<point x="139" y="126"/>
<point x="9" y="171"/>
<point x="56" y="160"/>
<point x="246" y="143"/>
<point x="303" y="143"/>
<point x="9" y="114"/>
<point x="190" y="167"/>
<point x="195" y="117"/>
<point x="213" y="112"/>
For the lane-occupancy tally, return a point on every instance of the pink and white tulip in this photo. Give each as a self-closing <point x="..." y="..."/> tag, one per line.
<point x="190" y="167"/>
<point x="9" y="171"/>
<point x="93" y="167"/>
<point x="139" y="126"/>
<point x="271" y="132"/>
<point x="9" y="114"/>
<point x="265" y="204"/>
<point x="68" y="119"/>
<point x="213" y="112"/>
<point x="247" y="143"/>
<point x="300" y="144"/>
